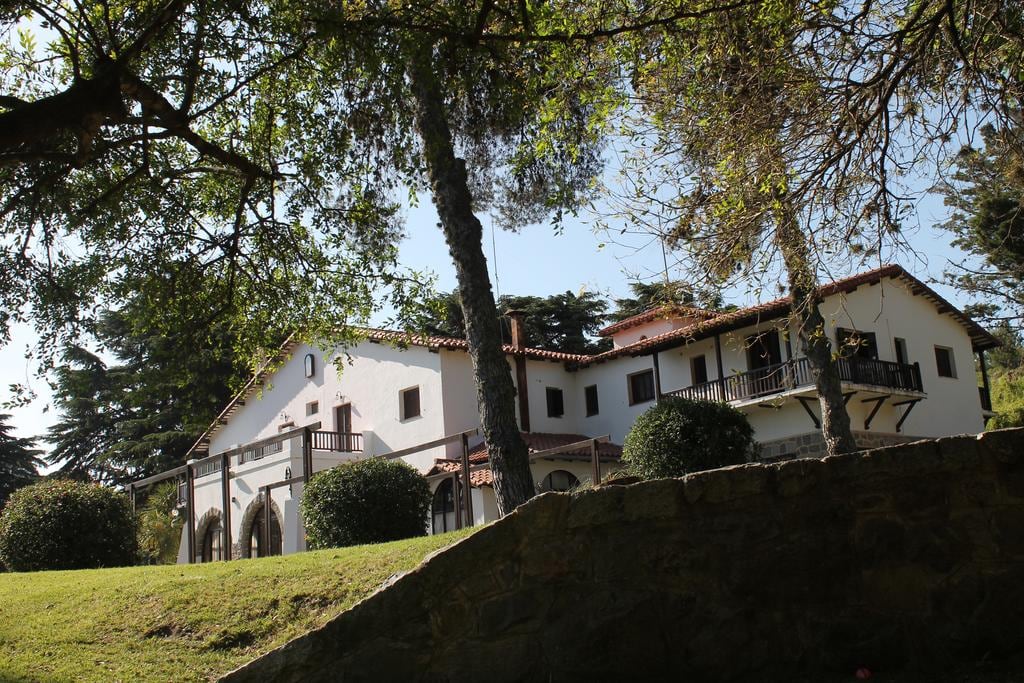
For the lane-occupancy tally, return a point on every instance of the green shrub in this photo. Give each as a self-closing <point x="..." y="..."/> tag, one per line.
<point x="367" y="501"/>
<point x="159" y="527"/>
<point x="678" y="436"/>
<point x="61" y="524"/>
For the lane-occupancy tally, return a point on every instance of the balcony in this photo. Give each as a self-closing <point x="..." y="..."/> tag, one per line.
<point x="794" y="374"/>
<point x="340" y="442"/>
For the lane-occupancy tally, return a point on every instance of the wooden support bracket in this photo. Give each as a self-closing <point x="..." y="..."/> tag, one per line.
<point x="910" y="403"/>
<point x="878" y="401"/>
<point x="804" y="400"/>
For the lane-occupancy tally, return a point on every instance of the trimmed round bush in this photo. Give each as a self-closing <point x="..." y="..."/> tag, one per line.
<point x="366" y="501"/>
<point x="678" y="436"/>
<point x="62" y="524"/>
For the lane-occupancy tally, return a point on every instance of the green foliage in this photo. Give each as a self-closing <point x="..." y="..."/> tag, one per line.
<point x="987" y="194"/>
<point x="678" y="436"/>
<point x="187" y="623"/>
<point x="367" y="501"/>
<point x="139" y="415"/>
<point x="648" y="295"/>
<point x="61" y="524"/>
<point x="561" y="322"/>
<point x="19" y="461"/>
<point x="159" y="528"/>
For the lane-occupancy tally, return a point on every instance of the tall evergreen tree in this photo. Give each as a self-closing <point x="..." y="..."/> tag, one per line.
<point x="987" y="195"/>
<point x="19" y="461"/>
<point x="139" y="414"/>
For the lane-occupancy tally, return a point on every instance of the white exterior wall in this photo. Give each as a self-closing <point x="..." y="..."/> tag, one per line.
<point x="653" y="328"/>
<point x="890" y="310"/>
<point x="615" y="416"/>
<point x="370" y="379"/>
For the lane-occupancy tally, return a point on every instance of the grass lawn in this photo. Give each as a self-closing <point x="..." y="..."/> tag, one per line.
<point x="183" y="623"/>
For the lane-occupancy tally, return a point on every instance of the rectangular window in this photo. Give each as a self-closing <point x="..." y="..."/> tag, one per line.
<point x="410" y="403"/>
<point x="901" y="350"/>
<point x="312" y="408"/>
<point x="699" y="369"/>
<point x="640" y="386"/>
<point x="556" y="406"/>
<point x="857" y="344"/>
<point x="590" y="395"/>
<point x="763" y="350"/>
<point x="944" y="361"/>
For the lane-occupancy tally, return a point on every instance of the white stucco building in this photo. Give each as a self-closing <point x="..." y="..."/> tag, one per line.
<point x="907" y="363"/>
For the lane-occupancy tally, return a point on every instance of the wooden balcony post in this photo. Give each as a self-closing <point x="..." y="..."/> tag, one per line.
<point x="457" y="500"/>
<point x="266" y="522"/>
<point x="595" y="462"/>
<point x="657" y="377"/>
<point x="190" y="512"/>
<point x="465" y="476"/>
<point x="225" y="496"/>
<point x="307" y="454"/>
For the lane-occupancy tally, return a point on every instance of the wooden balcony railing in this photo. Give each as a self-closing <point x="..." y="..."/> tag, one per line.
<point x="780" y="377"/>
<point x="340" y="442"/>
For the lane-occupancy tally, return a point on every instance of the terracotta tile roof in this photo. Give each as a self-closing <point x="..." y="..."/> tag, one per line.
<point x="776" y="308"/>
<point x="457" y="344"/>
<point x="711" y="324"/>
<point x="535" y="442"/>
<point x="655" y="314"/>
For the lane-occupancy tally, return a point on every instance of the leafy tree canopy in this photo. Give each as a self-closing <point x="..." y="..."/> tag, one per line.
<point x="140" y="414"/>
<point x="987" y="195"/>
<point x="19" y="461"/>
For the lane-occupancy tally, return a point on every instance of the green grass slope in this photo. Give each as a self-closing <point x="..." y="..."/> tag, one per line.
<point x="183" y="623"/>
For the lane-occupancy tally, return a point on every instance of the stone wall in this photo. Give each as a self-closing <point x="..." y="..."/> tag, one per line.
<point x="905" y="556"/>
<point x="812" y="444"/>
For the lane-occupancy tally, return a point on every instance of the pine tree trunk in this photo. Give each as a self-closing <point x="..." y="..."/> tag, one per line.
<point x="510" y="465"/>
<point x="803" y="288"/>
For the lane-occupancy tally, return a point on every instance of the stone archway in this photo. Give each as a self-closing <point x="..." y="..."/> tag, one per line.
<point x="210" y="537"/>
<point x="252" y="520"/>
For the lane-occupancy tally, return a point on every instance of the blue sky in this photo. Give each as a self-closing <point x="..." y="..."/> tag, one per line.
<point x="534" y="261"/>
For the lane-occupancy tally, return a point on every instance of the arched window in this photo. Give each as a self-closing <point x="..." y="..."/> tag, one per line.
<point x="212" y="549"/>
<point x="559" y="480"/>
<point x="257" y="541"/>
<point x="443" y="507"/>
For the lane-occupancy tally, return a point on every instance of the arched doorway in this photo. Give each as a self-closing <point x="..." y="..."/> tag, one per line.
<point x="251" y="539"/>
<point x="210" y="537"/>
<point x="442" y="508"/>
<point x="559" y="480"/>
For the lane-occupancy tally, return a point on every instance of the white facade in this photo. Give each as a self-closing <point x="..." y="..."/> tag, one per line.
<point x="371" y="377"/>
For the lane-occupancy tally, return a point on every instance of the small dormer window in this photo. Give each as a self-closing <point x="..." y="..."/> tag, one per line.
<point x="310" y="365"/>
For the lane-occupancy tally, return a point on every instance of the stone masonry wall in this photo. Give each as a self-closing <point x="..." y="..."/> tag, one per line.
<point x="812" y="444"/>
<point x="905" y="556"/>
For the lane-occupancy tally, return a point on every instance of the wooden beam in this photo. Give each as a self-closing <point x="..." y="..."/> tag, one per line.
<point x="657" y="377"/>
<point x="190" y="513"/>
<point x="430" y="444"/>
<point x="283" y="436"/>
<point x="847" y="396"/>
<point x="465" y="477"/>
<point x="910" y="406"/>
<point x="225" y="496"/>
<point x="814" y="418"/>
<point x="595" y="462"/>
<point x="878" y="401"/>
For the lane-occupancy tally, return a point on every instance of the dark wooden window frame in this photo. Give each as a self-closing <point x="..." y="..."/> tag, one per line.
<point x="555" y="398"/>
<point x="695" y="377"/>
<point x="591" y="399"/>
<point x="645" y="396"/>
<point x="950" y="362"/>
<point x="409" y="412"/>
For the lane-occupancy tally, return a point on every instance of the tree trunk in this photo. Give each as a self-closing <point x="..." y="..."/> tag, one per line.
<point x="510" y="465"/>
<point x="803" y="287"/>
